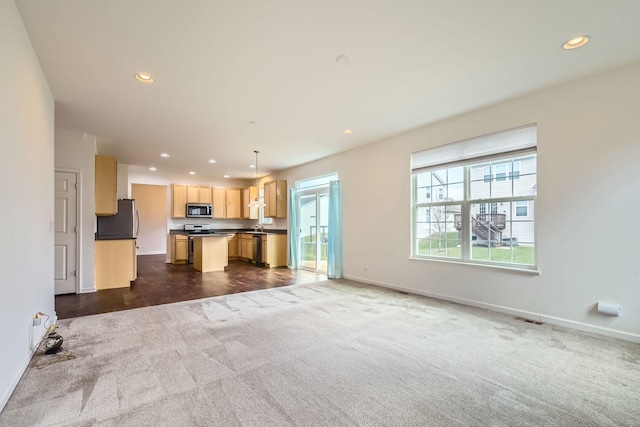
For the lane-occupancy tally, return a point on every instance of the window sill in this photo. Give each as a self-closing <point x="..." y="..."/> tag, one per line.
<point x="532" y="271"/>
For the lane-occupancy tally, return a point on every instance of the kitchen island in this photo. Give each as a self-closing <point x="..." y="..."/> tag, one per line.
<point x="210" y="252"/>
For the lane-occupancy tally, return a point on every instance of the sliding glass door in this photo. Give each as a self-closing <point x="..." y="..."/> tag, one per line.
<point x="314" y="229"/>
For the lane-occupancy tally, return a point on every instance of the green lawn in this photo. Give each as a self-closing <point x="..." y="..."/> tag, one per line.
<point x="448" y="248"/>
<point x="308" y="250"/>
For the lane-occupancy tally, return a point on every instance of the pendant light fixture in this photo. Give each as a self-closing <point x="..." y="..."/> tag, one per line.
<point x="257" y="203"/>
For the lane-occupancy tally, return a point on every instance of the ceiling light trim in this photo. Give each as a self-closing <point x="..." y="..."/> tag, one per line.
<point x="576" y="42"/>
<point x="144" y="77"/>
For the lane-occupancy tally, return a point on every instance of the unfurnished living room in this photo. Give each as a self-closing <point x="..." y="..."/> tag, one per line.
<point x="415" y="213"/>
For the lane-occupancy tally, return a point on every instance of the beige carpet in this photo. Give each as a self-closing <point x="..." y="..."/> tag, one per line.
<point x="333" y="353"/>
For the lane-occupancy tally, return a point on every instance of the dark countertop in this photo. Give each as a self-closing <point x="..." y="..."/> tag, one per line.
<point x="231" y="231"/>
<point x="113" y="238"/>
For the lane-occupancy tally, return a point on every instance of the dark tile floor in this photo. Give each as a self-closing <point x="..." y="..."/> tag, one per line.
<point x="161" y="283"/>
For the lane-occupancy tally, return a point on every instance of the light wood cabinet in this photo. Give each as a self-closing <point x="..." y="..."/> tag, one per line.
<point x="179" y="249"/>
<point x="204" y="194"/>
<point x="178" y="201"/>
<point x="248" y="195"/>
<point x="193" y="193"/>
<point x="106" y="185"/>
<point x="219" y="202"/>
<point x="198" y="194"/>
<point x="210" y="253"/>
<point x="245" y="246"/>
<point x="233" y="246"/>
<point x="274" y="250"/>
<point x="275" y="196"/>
<point x="115" y="263"/>
<point x="234" y="196"/>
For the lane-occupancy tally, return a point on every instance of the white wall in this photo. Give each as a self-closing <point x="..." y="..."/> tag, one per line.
<point x="587" y="233"/>
<point x="76" y="151"/>
<point x="26" y="141"/>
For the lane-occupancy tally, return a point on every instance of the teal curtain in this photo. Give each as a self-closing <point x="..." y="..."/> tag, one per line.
<point x="334" y="245"/>
<point x="294" y="228"/>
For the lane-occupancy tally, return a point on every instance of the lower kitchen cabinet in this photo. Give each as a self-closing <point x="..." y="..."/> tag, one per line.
<point x="179" y="249"/>
<point x="245" y="246"/>
<point x="274" y="250"/>
<point x="233" y="246"/>
<point x="115" y="263"/>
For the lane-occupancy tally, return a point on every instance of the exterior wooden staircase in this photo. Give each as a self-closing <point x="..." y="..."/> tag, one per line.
<point x="487" y="233"/>
<point x="487" y="228"/>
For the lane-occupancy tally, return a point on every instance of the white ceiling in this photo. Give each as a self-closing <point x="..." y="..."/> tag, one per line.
<point x="220" y="64"/>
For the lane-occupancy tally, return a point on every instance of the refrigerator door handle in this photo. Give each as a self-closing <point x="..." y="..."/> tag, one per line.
<point x="137" y="224"/>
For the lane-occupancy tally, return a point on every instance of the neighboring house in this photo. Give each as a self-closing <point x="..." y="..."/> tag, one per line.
<point x="510" y="223"/>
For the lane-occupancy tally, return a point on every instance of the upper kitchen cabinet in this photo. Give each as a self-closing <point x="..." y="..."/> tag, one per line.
<point x="275" y="197"/>
<point x="106" y="185"/>
<point x="198" y="194"/>
<point x="219" y="202"/>
<point x="178" y="201"/>
<point x="234" y="197"/>
<point x="249" y="194"/>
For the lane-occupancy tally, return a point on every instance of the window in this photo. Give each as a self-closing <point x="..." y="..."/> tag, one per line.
<point x="501" y="172"/>
<point x="477" y="209"/>
<point x="515" y="170"/>
<point x="522" y="208"/>
<point x="487" y="174"/>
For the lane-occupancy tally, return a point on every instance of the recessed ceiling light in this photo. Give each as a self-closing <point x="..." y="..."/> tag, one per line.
<point x="343" y="59"/>
<point x="347" y="132"/>
<point x="576" y="42"/>
<point x="192" y="173"/>
<point x="144" y="77"/>
<point x="211" y="161"/>
<point x="226" y="176"/>
<point x="252" y="166"/>
<point x="153" y="169"/>
<point x="165" y="155"/>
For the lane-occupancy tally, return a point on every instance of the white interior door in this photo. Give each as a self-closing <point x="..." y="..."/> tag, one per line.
<point x="65" y="227"/>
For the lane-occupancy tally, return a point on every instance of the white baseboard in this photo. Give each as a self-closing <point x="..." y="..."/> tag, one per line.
<point x="16" y="379"/>
<point x="572" y="324"/>
<point x="152" y="252"/>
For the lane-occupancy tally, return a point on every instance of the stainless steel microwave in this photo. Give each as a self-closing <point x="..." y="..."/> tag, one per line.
<point x="199" y="210"/>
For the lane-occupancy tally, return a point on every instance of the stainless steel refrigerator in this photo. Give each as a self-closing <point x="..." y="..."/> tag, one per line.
<point x="123" y="225"/>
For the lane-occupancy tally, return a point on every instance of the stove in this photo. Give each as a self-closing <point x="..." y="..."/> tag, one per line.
<point x="198" y="229"/>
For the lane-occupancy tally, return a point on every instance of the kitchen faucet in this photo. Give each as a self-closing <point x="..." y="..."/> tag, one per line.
<point x="259" y="227"/>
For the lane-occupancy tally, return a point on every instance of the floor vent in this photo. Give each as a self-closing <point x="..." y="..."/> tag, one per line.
<point x="535" y="322"/>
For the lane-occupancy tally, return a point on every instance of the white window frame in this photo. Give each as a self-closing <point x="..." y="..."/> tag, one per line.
<point x="421" y="162"/>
